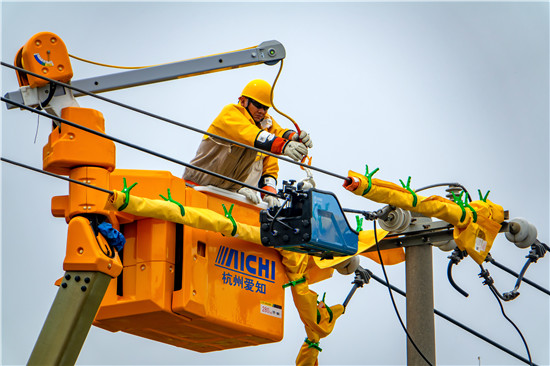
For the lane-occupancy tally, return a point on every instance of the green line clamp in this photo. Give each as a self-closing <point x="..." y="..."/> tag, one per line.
<point x="369" y="178"/>
<point x="294" y="283"/>
<point x="408" y="188"/>
<point x="312" y="344"/>
<point x="126" y="190"/>
<point x="230" y="217"/>
<point x="170" y="199"/>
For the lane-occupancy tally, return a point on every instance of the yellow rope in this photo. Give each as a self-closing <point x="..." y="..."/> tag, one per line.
<point x="143" y="67"/>
<point x="273" y="104"/>
<point x="113" y="66"/>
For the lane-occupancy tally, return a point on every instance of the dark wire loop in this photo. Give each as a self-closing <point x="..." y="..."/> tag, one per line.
<point x="44" y="104"/>
<point x="491" y="260"/>
<point x="455" y="258"/>
<point x="453" y="321"/>
<point x="95" y="220"/>
<point x="488" y="280"/>
<point x="538" y="250"/>
<point x="498" y="297"/>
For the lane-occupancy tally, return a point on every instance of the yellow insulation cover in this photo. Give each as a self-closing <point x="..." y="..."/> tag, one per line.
<point x="476" y="238"/>
<point x="317" y="317"/>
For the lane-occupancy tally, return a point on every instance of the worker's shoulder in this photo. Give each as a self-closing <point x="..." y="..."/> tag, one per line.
<point x="232" y="111"/>
<point x="232" y="108"/>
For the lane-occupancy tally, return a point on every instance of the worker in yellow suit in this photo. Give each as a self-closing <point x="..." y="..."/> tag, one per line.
<point x="248" y="123"/>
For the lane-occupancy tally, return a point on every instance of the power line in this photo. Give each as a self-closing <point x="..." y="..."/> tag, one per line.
<point x="55" y="175"/>
<point x="393" y="300"/>
<point x="491" y="260"/>
<point x="168" y="120"/>
<point x="453" y="321"/>
<point x="137" y="147"/>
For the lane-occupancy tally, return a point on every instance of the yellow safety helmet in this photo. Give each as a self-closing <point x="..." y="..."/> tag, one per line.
<point x="259" y="90"/>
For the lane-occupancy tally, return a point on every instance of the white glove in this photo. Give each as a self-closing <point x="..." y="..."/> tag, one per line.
<point x="295" y="150"/>
<point x="304" y="138"/>
<point x="271" y="201"/>
<point x="250" y="195"/>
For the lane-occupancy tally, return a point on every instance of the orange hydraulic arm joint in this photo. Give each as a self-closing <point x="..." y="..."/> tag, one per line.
<point x="90" y="262"/>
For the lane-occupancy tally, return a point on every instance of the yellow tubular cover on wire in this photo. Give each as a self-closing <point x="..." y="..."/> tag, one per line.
<point x="476" y="238"/>
<point x="200" y="218"/>
<point x="318" y="319"/>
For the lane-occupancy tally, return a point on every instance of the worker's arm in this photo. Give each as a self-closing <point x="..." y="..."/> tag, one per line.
<point x="268" y="181"/>
<point x="288" y="134"/>
<point x="234" y="124"/>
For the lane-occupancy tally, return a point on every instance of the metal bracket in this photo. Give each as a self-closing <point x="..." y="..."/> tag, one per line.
<point x="268" y="52"/>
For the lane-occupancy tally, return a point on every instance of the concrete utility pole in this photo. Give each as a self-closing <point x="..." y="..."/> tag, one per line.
<point x="420" y="304"/>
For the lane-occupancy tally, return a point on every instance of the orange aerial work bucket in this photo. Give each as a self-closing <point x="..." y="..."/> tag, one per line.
<point x="188" y="287"/>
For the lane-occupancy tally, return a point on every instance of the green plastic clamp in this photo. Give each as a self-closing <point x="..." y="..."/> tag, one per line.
<point x="312" y="344"/>
<point x="359" y="223"/>
<point x="463" y="204"/>
<point x="170" y="199"/>
<point x="369" y="178"/>
<point x="329" y="310"/>
<point x="294" y="283"/>
<point x="408" y="188"/>
<point x="481" y="197"/>
<point x="126" y="190"/>
<point x="228" y="215"/>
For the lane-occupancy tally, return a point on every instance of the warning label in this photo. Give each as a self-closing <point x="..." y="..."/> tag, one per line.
<point x="271" y="309"/>
<point x="480" y="245"/>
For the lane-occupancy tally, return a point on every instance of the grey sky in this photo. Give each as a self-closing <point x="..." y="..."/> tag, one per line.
<point x="434" y="90"/>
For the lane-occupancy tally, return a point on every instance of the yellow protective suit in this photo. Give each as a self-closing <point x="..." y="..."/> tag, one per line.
<point x="235" y="123"/>
<point x="473" y="233"/>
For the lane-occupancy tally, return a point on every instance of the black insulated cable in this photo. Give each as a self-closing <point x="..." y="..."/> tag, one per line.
<point x="393" y="300"/>
<point x="84" y="92"/>
<point x="55" y="175"/>
<point x="454" y="259"/>
<point x="450" y="185"/>
<point x="51" y="93"/>
<point x="137" y="147"/>
<point x="491" y="260"/>
<point x="495" y="293"/>
<point x="453" y="321"/>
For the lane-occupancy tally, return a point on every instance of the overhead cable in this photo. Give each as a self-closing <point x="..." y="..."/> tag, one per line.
<point x="497" y="297"/>
<point x="393" y="300"/>
<point x="453" y="321"/>
<point x="137" y="147"/>
<point x="168" y="120"/>
<point x="55" y="175"/>
<point x="491" y="260"/>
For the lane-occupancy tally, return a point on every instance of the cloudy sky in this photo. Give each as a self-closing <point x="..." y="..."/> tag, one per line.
<point x="438" y="91"/>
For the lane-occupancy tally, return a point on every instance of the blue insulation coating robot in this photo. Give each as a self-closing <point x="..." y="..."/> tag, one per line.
<point x="310" y="221"/>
